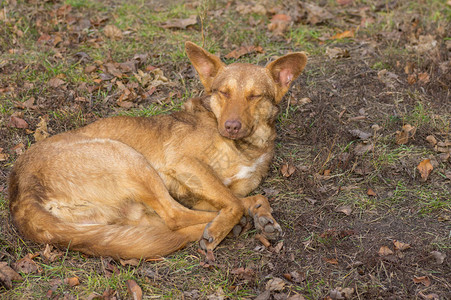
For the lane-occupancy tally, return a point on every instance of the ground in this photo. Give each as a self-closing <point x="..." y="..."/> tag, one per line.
<point x="363" y="215"/>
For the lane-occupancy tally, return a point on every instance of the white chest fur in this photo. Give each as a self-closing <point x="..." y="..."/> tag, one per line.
<point x="246" y="171"/>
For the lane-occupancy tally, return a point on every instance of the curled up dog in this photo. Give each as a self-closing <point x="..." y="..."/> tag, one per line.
<point x="135" y="187"/>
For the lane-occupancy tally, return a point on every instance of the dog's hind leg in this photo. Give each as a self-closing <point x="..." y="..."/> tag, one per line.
<point x="149" y="189"/>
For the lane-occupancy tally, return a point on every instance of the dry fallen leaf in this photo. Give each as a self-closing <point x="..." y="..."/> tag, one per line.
<point x="335" y="294"/>
<point x="26" y="265"/>
<point x="402" y="137"/>
<point x="360" y="134"/>
<point x="348" y="292"/>
<point x="371" y="192"/>
<point x="50" y="255"/>
<point x="388" y="78"/>
<point x="180" y="23"/>
<point x="344" y="34"/>
<point x="432" y="296"/>
<point x="55" y="82"/>
<point x="275" y="284"/>
<point x="335" y="52"/>
<point x="112" y="32"/>
<point x="425" y="167"/>
<point x="422" y="279"/>
<point x="439" y="257"/>
<point x="279" y="24"/>
<point x="431" y="140"/>
<point x="17" y="122"/>
<point x="8" y="275"/>
<point x="296" y="297"/>
<point x="287" y="170"/>
<point x="384" y="250"/>
<point x="331" y="261"/>
<point x="245" y="273"/>
<point x="316" y="14"/>
<point x="424" y="78"/>
<point x="347" y="210"/>
<point x="41" y="130"/>
<point x="400" y="246"/>
<point x="243" y="50"/>
<point x="134" y="290"/>
<point x="72" y="281"/>
<point x="363" y="148"/>
<point x="132" y="262"/>
<point x="3" y="156"/>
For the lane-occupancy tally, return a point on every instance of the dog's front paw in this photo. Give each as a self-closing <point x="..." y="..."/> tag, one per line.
<point x="264" y="221"/>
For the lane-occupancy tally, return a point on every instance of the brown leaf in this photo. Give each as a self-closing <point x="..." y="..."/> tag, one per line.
<point x="344" y="2"/>
<point x="331" y="261"/>
<point x="287" y="170"/>
<point x="296" y="297"/>
<point x="243" y="50"/>
<point x="432" y="296"/>
<point x="347" y="210"/>
<point x="50" y="255"/>
<point x="390" y="79"/>
<point x="342" y="35"/>
<point x="348" y="292"/>
<point x="363" y="148"/>
<point x="72" y="281"/>
<point x="55" y="82"/>
<point x="90" y="69"/>
<point x="384" y="250"/>
<point x="3" y="156"/>
<point x="278" y="247"/>
<point x="134" y="289"/>
<point x="439" y="257"/>
<point x="425" y="167"/>
<point x="112" y="32"/>
<point x="431" y="140"/>
<point x="41" y="131"/>
<point x="360" y="134"/>
<point x="371" y="192"/>
<point x="316" y="14"/>
<point x="422" y="279"/>
<point x="26" y="265"/>
<point x="403" y="136"/>
<point x="411" y="79"/>
<point x="424" y="78"/>
<point x="335" y="52"/>
<point x="275" y="284"/>
<point x="132" y="262"/>
<point x="279" y="24"/>
<point x="8" y="275"/>
<point x="180" y="23"/>
<point x="111" y="68"/>
<point x="246" y="273"/>
<point x="17" y="122"/>
<point x="26" y="104"/>
<point x="400" y="246"/>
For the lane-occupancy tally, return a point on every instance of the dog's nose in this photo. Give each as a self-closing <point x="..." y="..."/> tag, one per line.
<point x="232" y="126"/>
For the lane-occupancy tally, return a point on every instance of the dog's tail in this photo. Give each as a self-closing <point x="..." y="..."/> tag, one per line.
<point x="118" y="241"/>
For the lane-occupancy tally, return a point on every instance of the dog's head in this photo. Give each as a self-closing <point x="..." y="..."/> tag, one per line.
<point x="244" y="95"/>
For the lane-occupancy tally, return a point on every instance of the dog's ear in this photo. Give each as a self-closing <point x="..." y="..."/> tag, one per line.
<point x="286" y="69"/>
<point x="206" y="64"/>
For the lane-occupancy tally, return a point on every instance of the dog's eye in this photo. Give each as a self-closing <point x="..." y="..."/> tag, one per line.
<point x="253" y="97"/>
<point x="224" y="94"/>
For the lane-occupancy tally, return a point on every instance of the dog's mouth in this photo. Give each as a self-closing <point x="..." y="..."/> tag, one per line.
<point x="234" y="136"/>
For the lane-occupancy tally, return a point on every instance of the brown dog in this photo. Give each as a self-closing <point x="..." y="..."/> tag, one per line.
<point x="109" y="188"/>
